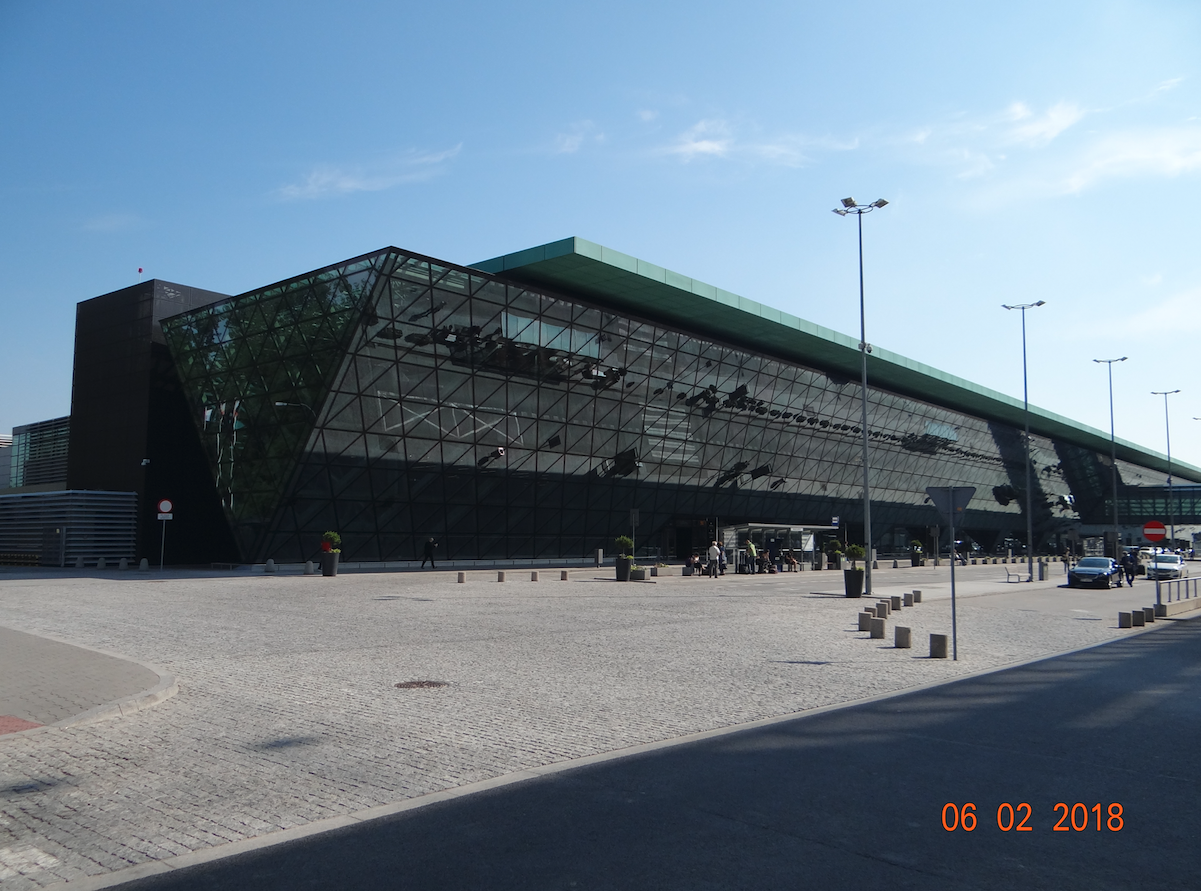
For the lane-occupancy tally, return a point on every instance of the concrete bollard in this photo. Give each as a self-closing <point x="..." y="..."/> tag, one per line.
<point x="903" y="638"/>
<point x="462" y="578"/>
<point x="1042" y="571"/>
<point x="865" y="621"/>
<point x="1123" y="620"/>
<point x="1149" y="614"/>
<point x="500" y="576"/>
<point x="563" y="576"/>
<point x="877" y="629"/>
<point x="938" y="646"/>
<point x="124" y="564"/>
<point x="1137" y="618"/>
<point x="895" y="602"/>
<point x="907" y="599"/>
<point x="917" y="595"/>
<point x="309" y="569"/>
<point x="101" y="564"/>
<point x="79" y="562"/>
<point x="144" y="565"/>
<point x="269" y="566"/>
<point x="883" y="608"/>
<point x="534" y="576"/>
<point x="871" y="611"/>
<point x="895" y="565"/>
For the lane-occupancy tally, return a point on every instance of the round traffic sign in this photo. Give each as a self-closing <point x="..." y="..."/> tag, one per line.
<point x="164" y="506"/>
<point x="1155" y="531"/>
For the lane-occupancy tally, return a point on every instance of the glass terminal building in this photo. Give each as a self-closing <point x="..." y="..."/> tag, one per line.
<point x="522" y="407"/>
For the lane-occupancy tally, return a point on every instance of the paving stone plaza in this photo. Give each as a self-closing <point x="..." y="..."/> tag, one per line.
<point x="287" y="710"/>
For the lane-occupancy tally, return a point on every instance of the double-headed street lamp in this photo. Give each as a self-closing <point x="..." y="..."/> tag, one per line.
<point x="1029" y="499"/>
<point x="1167" y="427"/>
<point x="1113" y="456"/>
<point x="849" y="206"/>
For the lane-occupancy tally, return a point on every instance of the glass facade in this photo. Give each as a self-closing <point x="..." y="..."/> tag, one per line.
<point x="39" y="453"/>
<point x="395" y="397"/>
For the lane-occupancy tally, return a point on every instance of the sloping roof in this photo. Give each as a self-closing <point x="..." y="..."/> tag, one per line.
<point x="611" y="278"/>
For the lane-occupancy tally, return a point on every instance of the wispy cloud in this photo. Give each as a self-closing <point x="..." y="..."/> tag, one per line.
<point x="329" y="181"/>
<point x="576" y="136"/>
<point x="717" y="138"/>
<point x="113" y="222"/>
<point x="1163" y="152"/>
<point x="1039" y="130"/>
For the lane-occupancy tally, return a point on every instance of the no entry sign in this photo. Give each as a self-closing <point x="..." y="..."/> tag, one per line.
<point x="1155" y="531"/>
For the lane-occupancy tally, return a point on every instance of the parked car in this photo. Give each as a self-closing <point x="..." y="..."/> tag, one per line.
<point x="1098" y="572"/>
<point x="1166" y="566"/>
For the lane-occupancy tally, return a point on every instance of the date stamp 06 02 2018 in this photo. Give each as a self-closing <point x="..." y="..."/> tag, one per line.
<point x="1010" y="818"/>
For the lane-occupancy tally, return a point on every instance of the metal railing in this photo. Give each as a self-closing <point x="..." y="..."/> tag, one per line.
<point x="1170" y="590"/>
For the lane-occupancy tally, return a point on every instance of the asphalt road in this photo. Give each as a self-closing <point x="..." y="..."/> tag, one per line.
<point x="852" y="798"/>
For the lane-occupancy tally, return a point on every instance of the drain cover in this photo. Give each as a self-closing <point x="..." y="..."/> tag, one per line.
<point x="420" y="685"/>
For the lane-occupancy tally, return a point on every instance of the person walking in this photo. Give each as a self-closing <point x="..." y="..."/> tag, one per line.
<point x="714" y="560"/>
<point x="752" y="555"/>
<point x="429" y="553"/>
<point x="1129" y="566"/>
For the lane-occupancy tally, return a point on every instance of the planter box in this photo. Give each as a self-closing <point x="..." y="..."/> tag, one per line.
<point x="623" y="569"/>
<point x="329" y="563"/>
<point x="853" y="581"/>
<point x="637" y="575"/>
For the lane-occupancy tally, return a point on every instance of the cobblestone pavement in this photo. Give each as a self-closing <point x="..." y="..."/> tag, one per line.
<point x="288" y="710"/>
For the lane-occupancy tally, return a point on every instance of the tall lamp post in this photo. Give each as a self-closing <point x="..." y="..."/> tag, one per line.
<point x="1029" y="500"/>
<point x="1167" y="428"/>
<point x="1113" y="456"/>
<point x="850" y="207"/>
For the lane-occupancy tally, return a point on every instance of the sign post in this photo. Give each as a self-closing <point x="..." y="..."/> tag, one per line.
<point x="164" y="513"/>
<point x="1155" y="531"/>
<point x="950" y="501"/>
<point x="634" y="530"/>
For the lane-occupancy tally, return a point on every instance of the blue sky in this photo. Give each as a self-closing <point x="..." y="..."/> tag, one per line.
<point x="1030" y="151"/>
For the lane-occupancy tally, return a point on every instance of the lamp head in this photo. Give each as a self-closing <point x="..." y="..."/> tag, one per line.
<point x="1041" y="303"/>
<point x="840" y="211"/>
<point x="879" y="202"/>
<point x="848" y="202"/>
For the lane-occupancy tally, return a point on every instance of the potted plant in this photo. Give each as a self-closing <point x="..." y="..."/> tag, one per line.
<point x="625" y="557"/>
<point x="331" y="550"/>
<point x="833" y="552"/>
<point x="915" y="553"/>
<point x="637" y="573"/>
<point x="853" y="577"/>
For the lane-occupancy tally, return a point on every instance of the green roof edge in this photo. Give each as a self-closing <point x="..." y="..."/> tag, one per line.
<point x="576" y="265"/>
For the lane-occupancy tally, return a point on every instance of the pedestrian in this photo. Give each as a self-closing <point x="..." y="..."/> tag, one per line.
<point x="1129" y="566"/>
<point x="752" y="555"/>
<point x="714" y="559"/>
<point x="429" y="553"/>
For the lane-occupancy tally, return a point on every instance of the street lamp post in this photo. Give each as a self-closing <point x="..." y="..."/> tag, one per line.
<point x="849" y="206"/>
<point x="1029" y="500"/>
<point x="1113" y="455"/>
<point x="1167" y="428"/>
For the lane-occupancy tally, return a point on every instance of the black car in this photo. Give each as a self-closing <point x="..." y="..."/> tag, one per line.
<point x="1099" y="572"/>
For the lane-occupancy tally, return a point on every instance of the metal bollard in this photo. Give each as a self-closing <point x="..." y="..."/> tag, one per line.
<point x="1042" y="571"/>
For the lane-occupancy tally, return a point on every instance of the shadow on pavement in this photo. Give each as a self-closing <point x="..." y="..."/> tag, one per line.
<point x="852" y="798"/>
